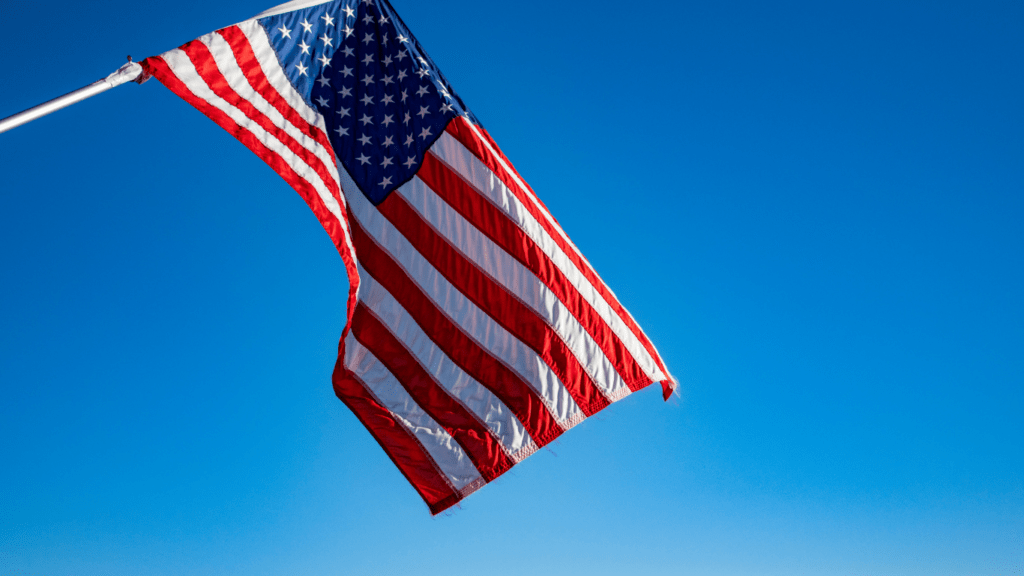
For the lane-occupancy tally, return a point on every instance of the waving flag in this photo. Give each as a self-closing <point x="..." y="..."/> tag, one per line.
<point x="477" y="332"/>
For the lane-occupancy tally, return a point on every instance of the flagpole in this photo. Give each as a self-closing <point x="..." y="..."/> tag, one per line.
<point x="127" y="73"/>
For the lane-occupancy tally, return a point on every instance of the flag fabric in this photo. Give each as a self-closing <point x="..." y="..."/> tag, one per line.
<point x="477" y="332"/>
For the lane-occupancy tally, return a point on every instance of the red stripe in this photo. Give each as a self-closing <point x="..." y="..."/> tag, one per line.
<point x="460" y="129"/>
<point x="397" y="441"/>
<point x="497" y="226"/>
<point x="481" y="447"/>
<point x="201" y="57"/>
<point x="496" y="301"/>
<point x="522" y="400"/>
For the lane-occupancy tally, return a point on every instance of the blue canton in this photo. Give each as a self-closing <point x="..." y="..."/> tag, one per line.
<point x="383" y="100"/>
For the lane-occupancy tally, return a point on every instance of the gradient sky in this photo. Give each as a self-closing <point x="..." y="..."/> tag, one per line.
<point x="814" y="210"/>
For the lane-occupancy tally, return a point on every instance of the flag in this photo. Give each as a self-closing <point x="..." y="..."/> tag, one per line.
<point x="477" y="332"/>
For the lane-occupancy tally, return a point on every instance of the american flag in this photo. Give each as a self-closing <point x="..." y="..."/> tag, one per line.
<point x="477" y="332"/>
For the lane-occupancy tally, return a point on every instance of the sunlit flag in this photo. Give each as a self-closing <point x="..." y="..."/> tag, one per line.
<point x="477" y="332"/>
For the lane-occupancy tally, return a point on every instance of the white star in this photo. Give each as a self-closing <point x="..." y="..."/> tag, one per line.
<point x="345" y="92"/>
<point x="285" y="33"/>
<point x="389" y="141"/>
<point x="423" y="90"/>
<point x="302" y="69"/>
<point x="323" y="81"/>
<point x="304" y="47"/>
<point x="385" y="40"/>
<point x="422" y="60"/>
<point x="368" y="19"/>
<point x="401" y="75"/>
<point x="423" y="111"/>
<point x="406" y="119"/>
<point x="366" y="120"/>
<point x="409" y="140"/>
<point x="327" y="40"/>
<point x="367" y="79"/>
<point x="348" y="31"/>
<point x="423" y="72"/>
<point x="368" y="38"/>
<point x="388" y="99"/>
<point x="341" y="131"/>
<point x="447" y="108"/>
<point x="346" y="71"/>
<point x="387" y="60"/>
<point x="367" y="99"/>
<point x="364" y="159"/>
<point x="348" y="11"/>
<point x="368" y="59"/>
<point x="386" y="182"/>
<point x="344" y="111"/>
<point x="364" y="139"/>
<point x="425" y="133"/>
<point x="328" y="20"/>
<point x="410" y="162"/>
<point x="387" y="121"/>
<point x="405" y="95"/>
<point x="367" y="2"/>
<point x="307" y="26"/>
<point x="383" y="19"/>
<point x="388" y="80"/>
<point x="322" y="101"/>
<point x="347" y="50"/>
<point x="325" y="60"/>
<point x="402" y="38"/>
<point x="385" y="163"/>
<point x="402" y="54"/>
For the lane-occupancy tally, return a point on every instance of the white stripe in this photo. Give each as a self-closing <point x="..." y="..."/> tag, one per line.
<point x="449" y="456"/>
<point x="182" y="67"/>
<point x="517" y="279"/>
<point x="480" y="401"/>
<point x="490" y="335"/>
<point x="291" y="7"/>
<point x="464" y="163"/>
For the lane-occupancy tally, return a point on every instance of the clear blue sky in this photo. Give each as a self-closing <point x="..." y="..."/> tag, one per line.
<point x="814" y="209"/>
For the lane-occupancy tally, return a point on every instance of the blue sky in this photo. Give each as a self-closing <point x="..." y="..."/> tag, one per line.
<point x="813" y="209"/>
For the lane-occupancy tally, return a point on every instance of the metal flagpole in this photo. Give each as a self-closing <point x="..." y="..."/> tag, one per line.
<point x="127" y="73"/>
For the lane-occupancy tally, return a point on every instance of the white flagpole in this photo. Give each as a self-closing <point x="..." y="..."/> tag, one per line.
<point x="127" y="73"/>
